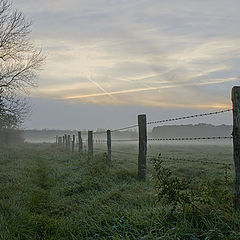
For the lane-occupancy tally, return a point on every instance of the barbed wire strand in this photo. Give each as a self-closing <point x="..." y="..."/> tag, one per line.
<point x="167" y="120"/>
<point x="116" y="140"/>
<point x="188" y="138"/>
<point x="167" y="139"/>
<point x="189" y="116"/>
<point x="195" y="161"/>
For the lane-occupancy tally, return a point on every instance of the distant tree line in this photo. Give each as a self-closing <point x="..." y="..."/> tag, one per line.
<point x="197" y="130"/>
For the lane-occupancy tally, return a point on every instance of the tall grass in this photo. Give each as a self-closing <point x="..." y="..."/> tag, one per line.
<point x="47" y="193"/>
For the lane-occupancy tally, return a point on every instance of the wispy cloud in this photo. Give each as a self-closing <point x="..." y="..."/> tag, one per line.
<point x="138" y="47"/>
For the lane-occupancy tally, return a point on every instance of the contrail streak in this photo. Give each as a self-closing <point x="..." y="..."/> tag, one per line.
<point x="149" y="89"/>
<point x="100" y="87"/>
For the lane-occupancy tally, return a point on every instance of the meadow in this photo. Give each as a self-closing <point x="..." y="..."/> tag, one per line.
<point x="49" y="193"/>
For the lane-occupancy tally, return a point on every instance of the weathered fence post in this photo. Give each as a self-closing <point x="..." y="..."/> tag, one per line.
<point x="69" y="143"/>
<point x="73" y="143"/>
<point x="66" y="141"/>
<point x="59" y="141"/>
<point x="56" y="140"/>
<point x="63" y="143"/>
<point x="109" y="145"/>
<point x="90" y="145"/>
<point x="236" y="144"/>
<point x="142" y="129"/>
<point x="80" y="144"/>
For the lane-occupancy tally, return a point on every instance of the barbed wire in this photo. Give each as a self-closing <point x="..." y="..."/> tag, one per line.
<point x="116" y="140"/>
<point x="188" y="138"/>
<point x="190" y="116"/>
<point x="193" y="161"/>
<point x="120" y="152"/>
<point x="151" y="157"/>
<point x="168" y="139"/>
<point x="168" y="120"/>
<point x="125" y="128"/>
<point x="100" y="141"/>
<point x="124" y="140"/>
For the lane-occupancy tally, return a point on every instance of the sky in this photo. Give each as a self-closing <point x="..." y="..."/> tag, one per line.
<point x="109" y="60"/>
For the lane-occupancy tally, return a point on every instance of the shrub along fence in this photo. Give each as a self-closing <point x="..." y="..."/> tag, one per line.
<point x="69" y="143"/>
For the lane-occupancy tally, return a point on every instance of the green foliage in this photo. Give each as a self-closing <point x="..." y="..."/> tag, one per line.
<point x="174" y="190"/>
<point x="171" y="190"/>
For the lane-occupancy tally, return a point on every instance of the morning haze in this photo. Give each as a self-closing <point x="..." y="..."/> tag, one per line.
<point x="119" y="119"/>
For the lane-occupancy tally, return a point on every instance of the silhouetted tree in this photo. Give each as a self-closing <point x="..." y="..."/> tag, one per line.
<point x="19" y="62"/>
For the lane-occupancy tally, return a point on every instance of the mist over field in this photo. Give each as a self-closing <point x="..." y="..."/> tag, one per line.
<point x="167" y="131"/>
<point x="119" y="120"/>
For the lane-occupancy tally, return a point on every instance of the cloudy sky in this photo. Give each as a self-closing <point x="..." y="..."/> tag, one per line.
<point x="108" y="60"/>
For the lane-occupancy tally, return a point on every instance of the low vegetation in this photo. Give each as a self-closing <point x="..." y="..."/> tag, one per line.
<point x="48" y="193"/>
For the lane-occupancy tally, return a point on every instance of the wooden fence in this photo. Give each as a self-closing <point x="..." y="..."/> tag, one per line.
<point x="66" y="141"/>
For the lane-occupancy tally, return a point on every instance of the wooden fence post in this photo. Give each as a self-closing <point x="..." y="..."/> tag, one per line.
<point x="73" y="143"/>
<point x="56" y="140"/>
<point x="236" y="144"/>
<point x="59" y="141"/>
<point x="142" y="129"/>
<point x="109" y="145"/>
<point x="69" y="143"/>
<point x="80" y="144"/>
<point x="63" y="143"/>
<point x="90" y="145"/>
<point x="66" y="141"/>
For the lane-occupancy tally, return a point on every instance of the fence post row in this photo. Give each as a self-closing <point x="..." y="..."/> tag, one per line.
<point x="236" y="144"/>
<point x="109" y="145"/>
<point x="90" y="145"/>
<point x="142" y="129"/>
<point x="80" y="144"/>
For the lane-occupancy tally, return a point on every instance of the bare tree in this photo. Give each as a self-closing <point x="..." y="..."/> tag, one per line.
<point x="20" y="60"/>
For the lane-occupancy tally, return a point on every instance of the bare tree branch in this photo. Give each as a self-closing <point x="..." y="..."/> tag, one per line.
<point x="20" y="60"/>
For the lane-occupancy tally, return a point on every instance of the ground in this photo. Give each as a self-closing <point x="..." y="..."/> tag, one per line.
<point x="48" y="193"/>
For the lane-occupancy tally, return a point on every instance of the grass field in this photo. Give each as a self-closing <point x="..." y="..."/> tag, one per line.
<point x="47" y="193"/>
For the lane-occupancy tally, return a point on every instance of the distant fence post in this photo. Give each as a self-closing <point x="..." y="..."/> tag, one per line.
<point x="236" y="144"/>
<point x="90" y="145"/>
<point x="142" y="129"/>
<point x="69" y="143"/>
<point x="80" y="144"/>
<point x="109" y="145"/>
<point x="56" y="140"/>
<point x="63" y="143"/>
<point x="73" y="143"/>
<point x="66" y="141"/>
<point x="59" y="141"/>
